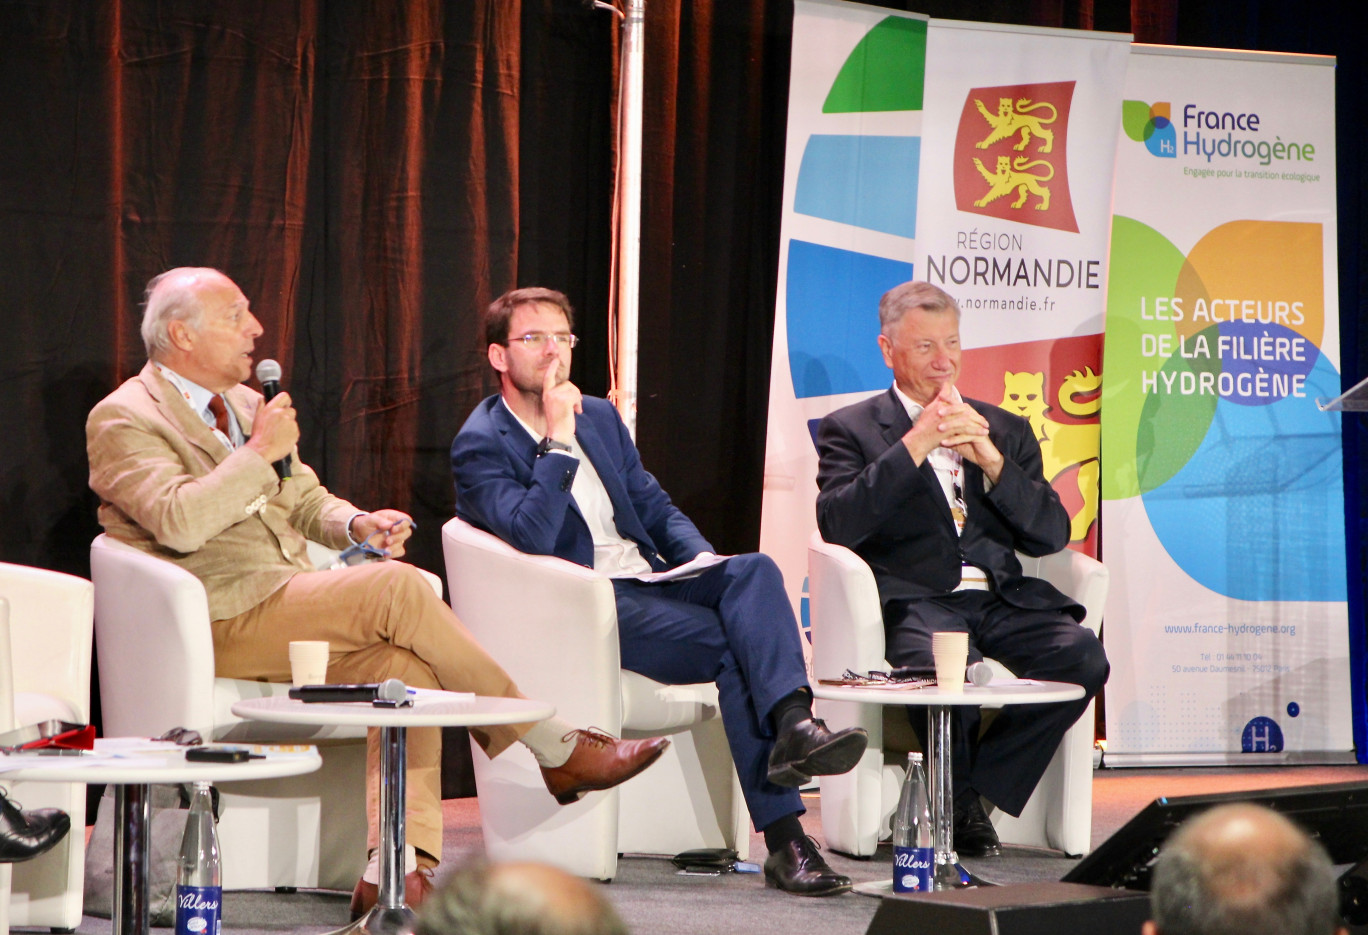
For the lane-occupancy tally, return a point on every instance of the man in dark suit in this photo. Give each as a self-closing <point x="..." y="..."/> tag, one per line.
<point x="936" y="493"/>
<point x="553" y="472"/>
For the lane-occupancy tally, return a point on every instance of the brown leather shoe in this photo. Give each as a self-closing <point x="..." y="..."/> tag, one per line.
<point x="600" y="762"/>
<point x="417" y="886"/>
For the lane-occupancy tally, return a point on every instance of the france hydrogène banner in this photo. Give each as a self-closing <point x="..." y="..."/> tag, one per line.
<point x="1223" y="508"/>
<point x="976" y="156"/>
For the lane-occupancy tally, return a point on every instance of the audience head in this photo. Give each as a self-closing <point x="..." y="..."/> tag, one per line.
<point x="1243" y="868"/>
<point x="516" y="899"/>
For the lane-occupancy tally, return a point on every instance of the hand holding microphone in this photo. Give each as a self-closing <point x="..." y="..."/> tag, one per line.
<point x="274" y="429"/>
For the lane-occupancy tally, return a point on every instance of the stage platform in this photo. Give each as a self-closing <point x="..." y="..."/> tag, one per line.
<point x="653" y="899"/>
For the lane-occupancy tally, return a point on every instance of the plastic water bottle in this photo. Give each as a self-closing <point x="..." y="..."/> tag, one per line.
<point x="199" y="880"/>
<point x="914" y="854"/>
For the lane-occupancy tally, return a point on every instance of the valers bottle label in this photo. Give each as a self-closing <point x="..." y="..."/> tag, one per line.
<point x="912" y="869"/>
<point x="198" y="910"/>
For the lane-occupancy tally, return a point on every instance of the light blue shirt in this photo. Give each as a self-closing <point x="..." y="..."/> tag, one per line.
<point x="197" y="398"/>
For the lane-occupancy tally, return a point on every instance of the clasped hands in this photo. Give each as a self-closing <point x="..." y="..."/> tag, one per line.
<point x="947" y="423"/>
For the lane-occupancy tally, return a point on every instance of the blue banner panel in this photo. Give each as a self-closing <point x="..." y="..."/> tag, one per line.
<point x="833" y="319"/>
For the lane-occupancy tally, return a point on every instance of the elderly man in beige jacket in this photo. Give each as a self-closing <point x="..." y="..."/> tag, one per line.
<point x="181" y="457"/>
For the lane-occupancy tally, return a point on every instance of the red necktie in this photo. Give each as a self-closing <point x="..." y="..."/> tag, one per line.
<point x="220" y="412"/>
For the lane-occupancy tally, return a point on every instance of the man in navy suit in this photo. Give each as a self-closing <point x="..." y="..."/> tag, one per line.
<point x="553" y="472"/>
<point x="937" y="493"/>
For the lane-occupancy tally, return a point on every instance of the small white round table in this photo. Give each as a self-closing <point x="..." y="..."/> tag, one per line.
<point x="430" y="709"/>
<point x="939" y="772"/>
<point x="132" y="765"/>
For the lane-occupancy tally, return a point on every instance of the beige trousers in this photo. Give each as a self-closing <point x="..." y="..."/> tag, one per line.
<point x="381" y="620"/>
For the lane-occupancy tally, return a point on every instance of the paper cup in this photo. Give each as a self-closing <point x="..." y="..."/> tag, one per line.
<point x="308" y="662"/>
<point x="951" y="651"/>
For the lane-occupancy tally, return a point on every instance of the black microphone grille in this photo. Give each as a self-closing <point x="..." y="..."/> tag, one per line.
<point x="268" y="370"/>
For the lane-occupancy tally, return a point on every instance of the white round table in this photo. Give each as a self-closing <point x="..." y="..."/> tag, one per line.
<point x="939" y="772"/>
<point x="430" y="709"/>
<point x="132" y="765"/>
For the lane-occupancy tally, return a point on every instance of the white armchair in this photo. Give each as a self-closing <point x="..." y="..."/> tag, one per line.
<point x="552" y="625"/>
<point x="49" y="645"/>
<point x="848" y="632"/>
<point x="156" y="658"/>
<point x="6" y="723"/>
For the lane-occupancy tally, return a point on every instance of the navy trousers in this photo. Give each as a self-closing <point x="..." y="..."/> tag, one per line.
<point x="1007" y="762"/>
<point x="732" y="625"/>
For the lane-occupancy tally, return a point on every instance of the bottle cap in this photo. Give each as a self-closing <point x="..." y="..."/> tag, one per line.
<point x="914" y="757"/>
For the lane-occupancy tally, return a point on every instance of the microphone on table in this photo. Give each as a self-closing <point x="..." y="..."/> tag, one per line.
<point x="268" y="373"/>
<point x="977" y="674"/>
<point x="391" y="693"/>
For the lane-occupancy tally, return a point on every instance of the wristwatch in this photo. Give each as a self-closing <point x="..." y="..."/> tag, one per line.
<point x="549" y="444"/>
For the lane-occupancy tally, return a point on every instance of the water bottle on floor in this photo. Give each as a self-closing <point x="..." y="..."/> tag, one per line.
<point x="914" y="854"/>
<point x="199" y="879"/>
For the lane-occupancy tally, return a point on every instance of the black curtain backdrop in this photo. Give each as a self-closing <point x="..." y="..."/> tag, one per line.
<point x="373" y="173"/>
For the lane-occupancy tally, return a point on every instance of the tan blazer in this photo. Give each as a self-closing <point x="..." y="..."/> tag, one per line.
<point x="169" y="486"/>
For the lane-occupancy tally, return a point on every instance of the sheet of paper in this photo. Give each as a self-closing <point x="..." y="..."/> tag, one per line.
<point x="695" y="566"/>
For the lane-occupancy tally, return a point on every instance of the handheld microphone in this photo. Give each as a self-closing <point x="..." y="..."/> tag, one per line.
<point x="391" y="693"/>
<point x="979" y="674"/>
<point x="268" y="373"/>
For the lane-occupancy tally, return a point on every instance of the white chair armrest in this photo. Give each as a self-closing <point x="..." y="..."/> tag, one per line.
<point x="847" y="621"/>
<point x="7" y="721"/>
<point x="550" y="623"/>
<point x="50" y="632"/>
<point x="841" y="587"/>
<point x="1081" y="577"/>
<point x="151" y="613"/>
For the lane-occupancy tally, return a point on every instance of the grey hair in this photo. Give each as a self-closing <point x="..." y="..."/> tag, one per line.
<point x="1201" y="887"/>
<point x="516" y="899"/>
<point x="171" y="296"/>
<point x="900" y="300"/>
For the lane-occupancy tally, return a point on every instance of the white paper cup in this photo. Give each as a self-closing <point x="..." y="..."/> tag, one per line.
<point x="951" y="651"/>
<point x="308" y="662"/>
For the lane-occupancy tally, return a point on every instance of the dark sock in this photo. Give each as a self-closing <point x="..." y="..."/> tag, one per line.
<point x="782" y="831"/>
<point x="789" y="710"/>
<point x="964" y="799"/>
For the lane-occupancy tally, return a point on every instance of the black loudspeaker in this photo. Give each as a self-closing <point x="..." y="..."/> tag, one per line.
<point x="1015" y="909"/>
<point x="1335" y="814"/>
<point x="1353" y="890"/>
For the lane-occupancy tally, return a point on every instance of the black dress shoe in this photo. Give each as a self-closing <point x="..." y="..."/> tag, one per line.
<point x="975" y="835"/>
<point x="797" y="867"/>
<point x="808" y="749"/>
<point x="24" y="835"/>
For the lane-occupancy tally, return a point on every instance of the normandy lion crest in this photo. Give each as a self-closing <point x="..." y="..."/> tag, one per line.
<point x="1063" y="445"/>
<point x="1010" y="154"/>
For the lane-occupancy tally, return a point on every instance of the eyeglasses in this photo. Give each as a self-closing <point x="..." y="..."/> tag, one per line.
<point x="182" y="737"/>
<point x="537" y="340"/>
